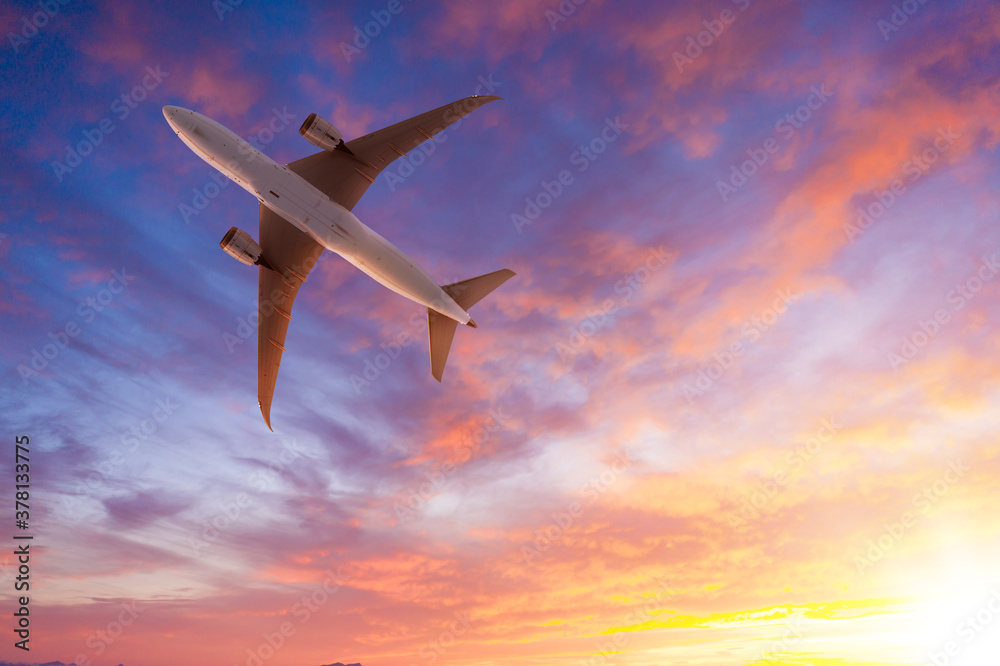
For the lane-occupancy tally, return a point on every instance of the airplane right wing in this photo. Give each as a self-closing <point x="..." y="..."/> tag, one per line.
<point x="345" y="175"/>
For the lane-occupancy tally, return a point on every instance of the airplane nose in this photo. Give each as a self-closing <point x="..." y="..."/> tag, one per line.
<point x="169" y="112"/>
<point x="178" y="118"/>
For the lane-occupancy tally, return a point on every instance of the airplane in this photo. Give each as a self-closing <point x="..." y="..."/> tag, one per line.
<point x="306" y="208"/>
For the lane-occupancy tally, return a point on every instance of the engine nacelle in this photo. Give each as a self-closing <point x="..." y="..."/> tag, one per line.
<point x="322" y="134"/>
<point x="241" y="246"/>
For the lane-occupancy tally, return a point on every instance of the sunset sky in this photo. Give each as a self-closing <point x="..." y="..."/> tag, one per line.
<point x="740" y="406"/>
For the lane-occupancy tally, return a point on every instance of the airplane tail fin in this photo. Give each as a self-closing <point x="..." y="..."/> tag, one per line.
<point x="441" y="329"/>
<point x="441" y="332"/>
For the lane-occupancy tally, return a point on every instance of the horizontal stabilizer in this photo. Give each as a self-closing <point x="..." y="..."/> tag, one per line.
<point x="469" y="292"/>
<point x="441" y="329"/>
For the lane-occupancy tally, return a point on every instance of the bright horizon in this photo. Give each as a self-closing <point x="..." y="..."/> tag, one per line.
<point x="738" y="407"/>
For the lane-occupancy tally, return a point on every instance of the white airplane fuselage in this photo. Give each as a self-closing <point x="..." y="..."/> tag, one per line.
<point x="310" y="210"/>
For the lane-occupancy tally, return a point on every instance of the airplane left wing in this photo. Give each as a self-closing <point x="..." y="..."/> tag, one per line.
<point x="291" y="255"/>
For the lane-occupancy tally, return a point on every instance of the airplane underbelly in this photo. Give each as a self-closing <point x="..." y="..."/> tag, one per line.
<point x="390" y="267"/>
<point x="338" y="230"/>
<point x="314" y="215"/>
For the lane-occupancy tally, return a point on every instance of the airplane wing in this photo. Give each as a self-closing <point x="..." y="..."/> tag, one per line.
<point x="343" y="175"/>
<point x="291" y="254"/>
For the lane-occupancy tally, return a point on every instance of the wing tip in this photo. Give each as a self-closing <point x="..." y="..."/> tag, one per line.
<point x="266" y="413"/>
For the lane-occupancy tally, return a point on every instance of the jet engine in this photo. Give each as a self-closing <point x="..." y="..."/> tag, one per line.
<point x="241" y="246"/>
<point x="322" y="134"/>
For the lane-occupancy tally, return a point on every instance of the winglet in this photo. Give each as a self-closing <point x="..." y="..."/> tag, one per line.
<point x="266" y="413"/>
